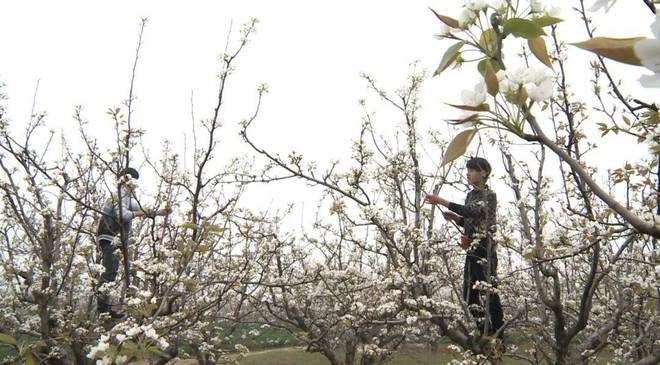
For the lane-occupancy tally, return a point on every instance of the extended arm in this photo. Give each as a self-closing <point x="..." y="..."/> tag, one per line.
<point x="131" y="209"/>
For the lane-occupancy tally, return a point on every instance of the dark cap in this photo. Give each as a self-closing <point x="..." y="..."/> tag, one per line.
<point x="130" y="171"/>
<point x="479" y="164"/>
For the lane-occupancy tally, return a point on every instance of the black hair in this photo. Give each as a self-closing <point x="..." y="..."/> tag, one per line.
<point x="479" y="164"/>
<point x="130" y="171"/>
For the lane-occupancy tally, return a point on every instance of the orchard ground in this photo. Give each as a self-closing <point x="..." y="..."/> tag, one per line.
<point x="278" y="347"/>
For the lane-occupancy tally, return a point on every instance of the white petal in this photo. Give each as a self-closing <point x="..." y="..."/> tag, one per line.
<point x="480" y="88"/>
<point x="539" y="92"/>
<point x="496" y="4"/>
<point x="536" y="6"/>
<point x="650" y="80"/>
<point x="517" y="76"/>
<point x="507" y="86"/>
<point x="552" y="10"/>
<point x="655" y="26"/>
<point x="648" y="50"/>
<point x="468" y="97"/>
<point x="476" y="5"/>
<point x="465" y="18"/>
<point x="602" y="3"/>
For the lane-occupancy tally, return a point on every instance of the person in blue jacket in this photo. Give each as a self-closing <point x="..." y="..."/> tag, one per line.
<point x="478" y="218"/>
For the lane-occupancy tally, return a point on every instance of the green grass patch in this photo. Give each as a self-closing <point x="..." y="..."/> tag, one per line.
<point x="257" y="338"/>
<point x="298" y="356"/>
<point x="6" y="352"/>
<point x="407" y="355"/>
<point x="287" y="356"/>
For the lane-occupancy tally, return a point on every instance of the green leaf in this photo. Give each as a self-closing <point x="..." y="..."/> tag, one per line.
<point x="7" y="339"/>
<point x="37" y="344"/>
<point x="202" y="248"/>
<point x="449" y="21"/>
<point x="449" y="57"/>
<point x="546" y="21"/>
<point x="531" y="254"/>
<point x="481" y="66"/>
<point x="618" y="49"/>
<point x="188" y="226"/>
<point x="518" y="97"/>
<point x="29" y="359"/>
<point x="523" y="28"/>
<point x="488" y="41"/>
<point x="473" y="108"/>
<point x="155" y="350"/>
<point x="128" y="348"/>
<point x="458" y="145"/>
<point x="212" y="228"/>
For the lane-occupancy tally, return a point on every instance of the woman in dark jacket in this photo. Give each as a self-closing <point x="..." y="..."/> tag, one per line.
<point x="478" y="218"/>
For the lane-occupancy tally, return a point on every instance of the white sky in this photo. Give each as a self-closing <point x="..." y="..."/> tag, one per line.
<point x="309" y="53"/>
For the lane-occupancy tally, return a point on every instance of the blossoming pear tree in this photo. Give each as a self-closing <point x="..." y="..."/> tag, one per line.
<point x="578" y="257"/>
<point x="183" y="279"/>
<point x="592" y="230"/>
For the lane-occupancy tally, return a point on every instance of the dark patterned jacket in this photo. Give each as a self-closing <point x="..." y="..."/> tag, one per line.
<point x="478" y="217"/>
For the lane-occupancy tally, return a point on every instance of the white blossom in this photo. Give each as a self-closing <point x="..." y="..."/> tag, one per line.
<point x="99" y="349"/>
<point x="466" y="17"/>
<point x="506" y="86"/>
<point x="149" y="332"/>
<point x="476" y="97"/>
<point x="552" y="10"/>
<point x="538" y="82"/>
<point x="536" y="6"/>
<point x="497" y="4"/>
<point x="104" y="361"/>
<point x="411" y="320"/>
<point x="240" y="348"/>
<point x="445" y="30"/>
<point x="599" y="4"/>
<point x="424" y="314"/>
<point x="540" y="92"/>
<point x="386" y="308"/>
<point x="133" y="331"/>
<point x="519" y="76"/>
<point x="476" y="5"/>
<point x="648" y="51"/>
<point x="163" y="344"/>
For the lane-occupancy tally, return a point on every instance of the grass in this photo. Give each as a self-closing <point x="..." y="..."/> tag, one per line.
<point x="298" y="356"/>
<point x="409" y="355"/>
<point x="7" y="352"/>
<point x="267" y="338"/>
<point x="285" y="356"/>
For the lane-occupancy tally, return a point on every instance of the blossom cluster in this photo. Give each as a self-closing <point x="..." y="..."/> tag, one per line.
<point x="471" y="9"/>
<point x="537" y="7"/>
<point x="648" y="50"/>
<point x="536" y="81"/>
<point x="107" y="350"/>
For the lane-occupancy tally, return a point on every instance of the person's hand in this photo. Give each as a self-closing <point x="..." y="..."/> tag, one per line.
<point x="165" y="211"/>
<point x="450" y="216"/>
<point x="465" y="242"/>
<point x="433" y="199"/>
